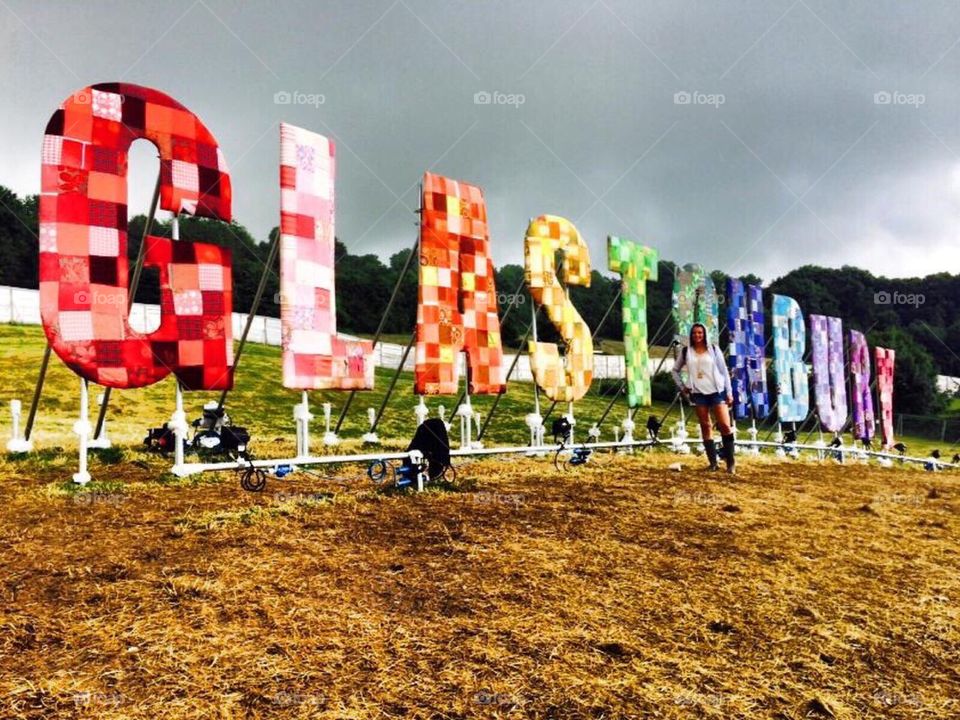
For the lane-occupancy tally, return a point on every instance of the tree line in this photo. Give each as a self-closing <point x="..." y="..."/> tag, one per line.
<point x="915" y="316"/>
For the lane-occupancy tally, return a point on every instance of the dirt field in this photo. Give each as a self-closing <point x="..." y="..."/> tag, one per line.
<point x="625" y="591"/>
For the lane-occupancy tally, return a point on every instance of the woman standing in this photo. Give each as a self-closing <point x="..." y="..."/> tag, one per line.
<point x="708" y="388"/>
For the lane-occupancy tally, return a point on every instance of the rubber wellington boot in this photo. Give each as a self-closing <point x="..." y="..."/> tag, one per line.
<point x="729" y="455"/>
<point x="710" y="446"/>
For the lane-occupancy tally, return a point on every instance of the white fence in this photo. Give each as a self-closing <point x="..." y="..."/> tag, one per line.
<point x="22" y="305"/>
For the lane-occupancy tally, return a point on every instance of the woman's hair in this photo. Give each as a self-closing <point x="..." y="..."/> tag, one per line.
<point x="706" y="336"/>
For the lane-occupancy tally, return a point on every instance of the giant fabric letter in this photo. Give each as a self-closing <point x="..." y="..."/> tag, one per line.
<point x="314" y="356"/>
<point x="83" y="242"/>
<point x="860" y="376"/>
<point x="789" y="341"/>
<point x="455" y="268"/>
<point x="569" y="378"/>
<point x="885" y="359"/>
<point x="695" y="300"/>
<point x="748" y="372"/>
<point x="826" y="338"/>
<point x="636" y="264"/>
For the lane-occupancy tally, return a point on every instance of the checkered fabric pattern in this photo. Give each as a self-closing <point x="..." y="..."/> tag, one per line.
<point x="569" y="378"/>
<point x="196" y="302"/>
<point x="745" y="351"/>
<point x="789" y="341"/>
<point x="695" y="300"/>
<point x="314" y="356"/>
<point x="83" y="242"/>
<point x="829" y="384"/>
<point x="863" y="419"/>
<point x="455" y="267"/>
<point x="636" y="264"/>
<point x="884" y="358"/>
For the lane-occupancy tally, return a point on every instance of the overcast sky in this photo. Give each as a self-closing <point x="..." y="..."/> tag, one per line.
<point x="784" y="155"/>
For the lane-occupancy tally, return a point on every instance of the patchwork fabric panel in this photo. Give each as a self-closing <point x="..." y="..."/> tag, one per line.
<point x="885" y="360"/>
<point x="562" y="379"/>
<point x="456" y="271"/>
<point x="196" y="306"/>
<point x="636" y="264"/>
<point x="830" y="392"/>
<point x="314" y="356"/>
<point x="863" y="420"/>
<point x="83" y="242"/>
<point x="746" y="356"/>
<point x="695" y="300"/>
<point x="789" y="343"/>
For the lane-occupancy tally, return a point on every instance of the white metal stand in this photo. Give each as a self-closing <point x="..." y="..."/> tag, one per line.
<point x="778" y="439"/>
<point x="628" y="426"/>
<point x="571" y="419"/>
<point x="421" y="411"/>
<point x="370" y="436"/>
<point x="178" y="423"/>
<point x="678" y="440"/>
<point x="17" y="443"/>
<point x="189" y="469"/>
<point x="476" y="420"/>
<point x="752" y="432"/>
<point x="302" y="416"/>
<point x="535" y="423"/>
<point x="465" y="413"/>
<point x="82" y="428"/>
<point x="329" y="438"/>
<point x="442" y="414"/>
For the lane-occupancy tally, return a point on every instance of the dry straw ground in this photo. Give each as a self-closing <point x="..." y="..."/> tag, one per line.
<point x="624" y="591"/>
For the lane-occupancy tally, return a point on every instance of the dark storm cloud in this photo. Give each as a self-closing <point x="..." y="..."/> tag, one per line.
<point x="748" y="136"/>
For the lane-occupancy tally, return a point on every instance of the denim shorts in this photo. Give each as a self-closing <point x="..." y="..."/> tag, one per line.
<point x="709" y="399"/>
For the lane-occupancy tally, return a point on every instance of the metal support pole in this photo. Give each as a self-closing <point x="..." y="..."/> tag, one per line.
<point x="393" y="382"/>
<point x="257" y="298"/>
<point x="383" y="321"/>
<point x="134" y="285"/>
<point x="37" y="391"/>
<point x="516" y="292"/>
